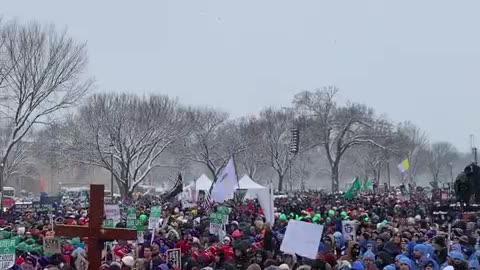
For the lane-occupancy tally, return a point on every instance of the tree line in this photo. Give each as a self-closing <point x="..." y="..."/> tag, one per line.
<point x="49" y="111"/>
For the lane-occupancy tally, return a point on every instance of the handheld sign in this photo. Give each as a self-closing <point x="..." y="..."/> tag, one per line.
<point x="113" y="212"/>
<point x="51" y="245"/>
<point x="7" y="253"/>
<point x="81" y="263"/>
<point x="349" y="230"/>
<point x="131" y="218"/>
<point x="154" y="218"/>
<point x="174" y="257"/>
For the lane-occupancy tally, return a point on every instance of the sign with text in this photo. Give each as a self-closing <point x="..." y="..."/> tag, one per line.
<point x="131" y="218"/>
<point x="51" y="245"/>
<point x="81" y="263"/>
<point x="349" y="230"/>
<point x="7" y="253"/>
<point x="113" y="212"/>
<point x="217" y="220"/>
<point x="174" y="257"/>
<point x="108" y="223"/>
<point x="155" y="213"/>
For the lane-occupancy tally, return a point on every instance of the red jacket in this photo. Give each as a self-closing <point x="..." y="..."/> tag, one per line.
<point x="183" y="245"/>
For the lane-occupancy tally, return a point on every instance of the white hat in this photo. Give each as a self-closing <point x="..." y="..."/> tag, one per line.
<point x="284" y="267"/>
<point x="21" y="231"/>
<point x="128" y="261"/>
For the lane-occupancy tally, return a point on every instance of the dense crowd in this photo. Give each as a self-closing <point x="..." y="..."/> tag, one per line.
<point x="392" y="231"/>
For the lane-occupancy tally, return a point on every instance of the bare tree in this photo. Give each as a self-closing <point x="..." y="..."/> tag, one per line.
<point x="371" y="159"/>
<point x="213" y="141"/>
<point x="276" y="141"/>
<point x="276" y="138"/>
<point x="338" y="128"/>
<point x="41" y="73"/>
<point x="301" y="170"/>
<point x="440" y="155"/>
<point x="415" y="143"/>
<point x="136" y="131"/>
<point x="253" y="158"/>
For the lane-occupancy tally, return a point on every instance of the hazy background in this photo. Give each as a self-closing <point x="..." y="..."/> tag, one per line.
<point x="410" y="60"/>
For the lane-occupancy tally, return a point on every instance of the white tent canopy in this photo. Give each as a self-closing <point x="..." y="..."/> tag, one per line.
<point x="202" y="183"/>
<point x="247" y="183"/>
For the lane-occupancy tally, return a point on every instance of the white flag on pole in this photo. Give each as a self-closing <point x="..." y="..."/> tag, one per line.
<point x="265" y="199"/>
<point x="226" y="183"/>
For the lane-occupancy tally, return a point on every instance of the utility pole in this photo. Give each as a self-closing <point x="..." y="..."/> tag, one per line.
<point x="111" y="172"/>
<point x="474" y="149"/>
<point x="388" y="176"/>
<point x="2" y="168"/>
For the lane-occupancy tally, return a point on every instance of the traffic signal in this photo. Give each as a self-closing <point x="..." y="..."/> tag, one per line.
<point x="295" y="141"/>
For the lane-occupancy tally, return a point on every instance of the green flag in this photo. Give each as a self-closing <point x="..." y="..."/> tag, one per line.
<point x="368" y="185"/>
<point x="353" y="189"/>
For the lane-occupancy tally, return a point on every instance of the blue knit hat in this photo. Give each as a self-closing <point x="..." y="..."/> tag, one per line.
<point x="423" y="249"/>
<point x="369" y="255"/>
<point x="357" y="265"/>
<point x="456" y="255"/>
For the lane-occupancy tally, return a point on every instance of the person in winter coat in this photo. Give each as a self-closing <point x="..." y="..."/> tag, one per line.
<point x="290" y="260"/>
<point x="406" y="264"/>
<point x="430" y="264"/>
<point x="369" y="261"/>
<point x="220" y="263"/>
<point x="353" y="251"/>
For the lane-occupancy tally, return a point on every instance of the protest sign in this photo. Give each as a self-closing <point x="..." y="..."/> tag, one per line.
<point x="302" y="238"/>
<point x="216" y="223"/>
<point x="108" y="223"/>
<point x="7" y="253"/>
<point x="140" y="237"/>
<point x="174" y="257"/>
<point x="131" y="218"/>
<point x="349" y="230"/>
<point x="51" y="245"/>
<point x="154" y="218"/>
<point x="113" y="212"/>
<point x="81" y="263"/>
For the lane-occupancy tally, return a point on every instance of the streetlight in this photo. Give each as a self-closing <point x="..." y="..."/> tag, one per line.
<point x="112" y="147"/>
<point x="1" y="186"/>
<point x="450" y="164"/>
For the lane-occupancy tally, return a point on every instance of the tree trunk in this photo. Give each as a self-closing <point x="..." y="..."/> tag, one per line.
<point x="280" y="182"/>
<point x="123" y="190"/>
<point x="125" y="185"/>
<point x="335" y="184"/>
<point x="377" y="174"/>
<point x="2" y="175"/>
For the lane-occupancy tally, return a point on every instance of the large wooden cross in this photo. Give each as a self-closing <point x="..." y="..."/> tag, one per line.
<point x="94" y="231"/>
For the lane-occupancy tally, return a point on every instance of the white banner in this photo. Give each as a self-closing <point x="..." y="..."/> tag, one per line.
<point x="265" y="199"/>
<point x="302" y="238"/>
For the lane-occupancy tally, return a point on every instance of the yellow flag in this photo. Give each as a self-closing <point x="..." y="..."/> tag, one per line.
<point x="405" y="165"/>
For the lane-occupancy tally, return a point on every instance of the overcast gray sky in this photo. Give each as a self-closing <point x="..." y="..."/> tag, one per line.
<point x="411" y="60"/>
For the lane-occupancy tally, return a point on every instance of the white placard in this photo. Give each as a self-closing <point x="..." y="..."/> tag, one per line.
<point x="140" y="237"/>
<point x="302" y="238"/>
<point x="349" y="230"/>
<point x="113" y="212"/>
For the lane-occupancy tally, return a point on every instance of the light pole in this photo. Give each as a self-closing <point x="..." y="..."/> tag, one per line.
<point x="2" y="167"/>
<point x="112" y="147"/>
<point x="450" y="164"/>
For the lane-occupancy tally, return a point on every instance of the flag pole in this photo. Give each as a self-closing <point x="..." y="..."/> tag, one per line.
<point x="236" y="170"/>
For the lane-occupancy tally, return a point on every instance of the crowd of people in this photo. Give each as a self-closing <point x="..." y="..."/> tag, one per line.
<point x="392" y="231"/>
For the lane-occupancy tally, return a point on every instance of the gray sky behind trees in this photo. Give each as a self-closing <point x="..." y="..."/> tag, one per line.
<point x="411" y="60"/>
